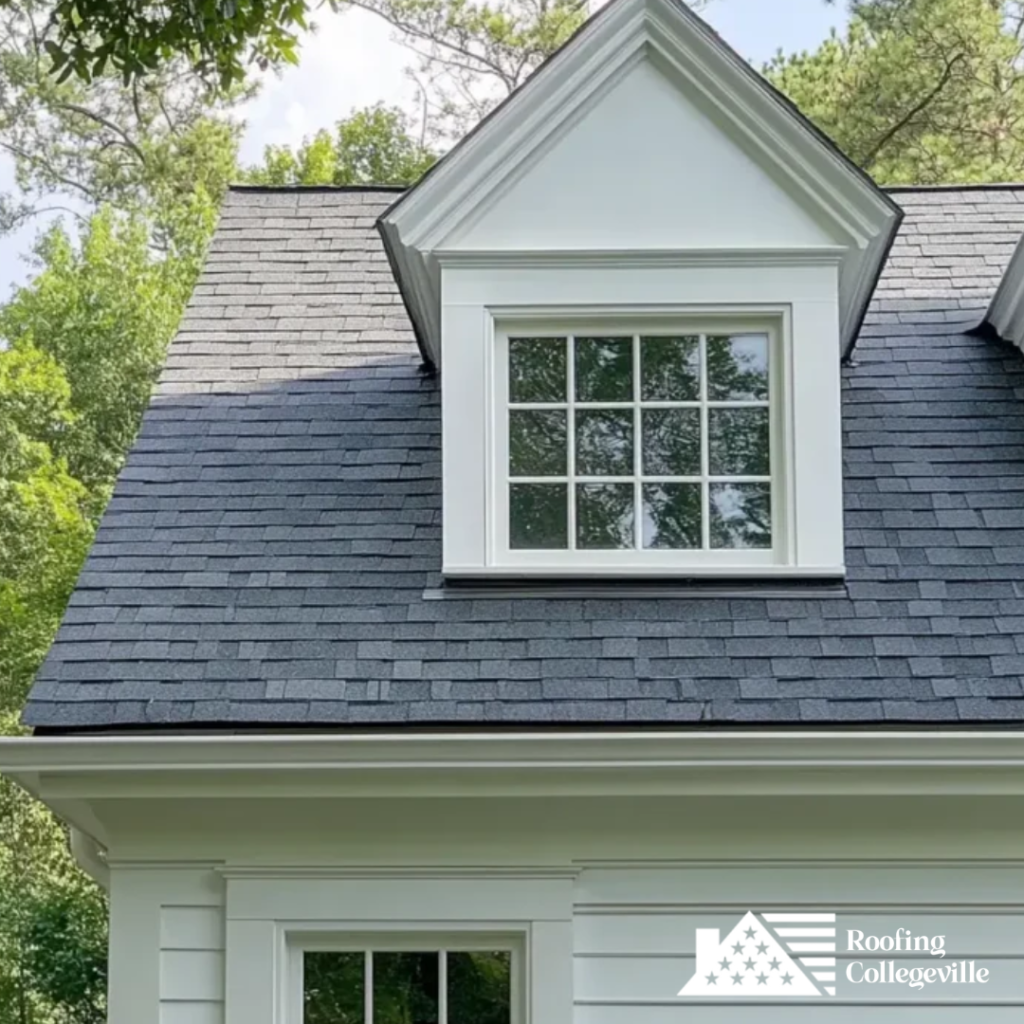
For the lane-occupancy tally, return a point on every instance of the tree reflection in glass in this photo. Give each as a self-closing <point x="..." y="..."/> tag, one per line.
<point x="604" y="442"/>
<point x="738" y="442"/>
<point x="738" y="368"/>
<point x="537" y="442"/>
<point x="741" y="516"/>
<point x="537" y="370"/>
<point x="671" y="442"/>
<point x="670" y="369"/>
<point x="604" y="516"/>
<point x="672" y="516"/>
<point x="604" y="369"/>
<point x="538" y="516"/>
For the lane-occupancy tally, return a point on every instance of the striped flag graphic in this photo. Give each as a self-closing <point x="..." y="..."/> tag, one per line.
<point x="811" y="940"/>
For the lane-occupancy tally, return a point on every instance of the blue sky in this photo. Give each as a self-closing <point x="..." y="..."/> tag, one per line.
<point x="351" y="62"/>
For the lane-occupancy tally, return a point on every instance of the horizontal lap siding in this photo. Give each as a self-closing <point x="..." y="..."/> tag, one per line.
<point x="634" y="939"/>
<point x="191" y="964"/>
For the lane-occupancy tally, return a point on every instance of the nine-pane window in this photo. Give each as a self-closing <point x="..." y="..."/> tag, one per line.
<point x="399" y="987"/>
<point x="640" y="441"/>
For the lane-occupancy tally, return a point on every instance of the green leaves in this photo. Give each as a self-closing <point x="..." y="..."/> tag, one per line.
<point x="919" y="91"/>
<point x="371" y="146"/>
<point x="221" y="38"/>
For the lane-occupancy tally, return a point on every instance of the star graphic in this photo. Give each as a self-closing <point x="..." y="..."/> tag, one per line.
<point x="774" y="965"/>
<point x="750" y="933"/>
<point x="724" y="964"/>
<point x="749" y="964"/>
<point x="738" y="948"/>
<point x="762" y="949"/>
<point x="712" y="979"/>
<point x="762" y="978"/>
<point x="737" y="979"/>
<point x="787" y="979"/>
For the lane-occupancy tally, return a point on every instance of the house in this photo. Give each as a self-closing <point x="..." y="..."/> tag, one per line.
<point x="519" y="579"/>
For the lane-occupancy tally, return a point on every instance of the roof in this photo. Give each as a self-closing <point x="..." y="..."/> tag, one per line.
<point x="271" y="552"/>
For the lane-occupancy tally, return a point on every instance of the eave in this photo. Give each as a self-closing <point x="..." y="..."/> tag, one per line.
<point x="486" y="765"/>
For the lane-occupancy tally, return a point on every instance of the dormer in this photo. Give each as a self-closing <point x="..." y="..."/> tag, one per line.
<point x="637" y="278"/>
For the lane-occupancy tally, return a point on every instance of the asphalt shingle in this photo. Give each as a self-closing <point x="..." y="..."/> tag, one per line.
<point x="271" y="554"/>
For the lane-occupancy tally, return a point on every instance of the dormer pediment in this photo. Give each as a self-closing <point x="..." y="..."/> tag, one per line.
<point x="645" y="132"/>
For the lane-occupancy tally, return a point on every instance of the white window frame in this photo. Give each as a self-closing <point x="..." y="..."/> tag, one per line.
<point x="452" y="939"/>
<point x="639" y="561"/>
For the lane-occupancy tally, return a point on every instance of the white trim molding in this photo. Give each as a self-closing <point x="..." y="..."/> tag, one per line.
<point x="64" y="770"/>
<point x="1006" y="311"/>
<point x="514" y="138"/>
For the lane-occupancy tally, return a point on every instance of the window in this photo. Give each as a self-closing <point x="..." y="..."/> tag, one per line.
<point x="639" y="446"/>
<point x="403" y="984"/>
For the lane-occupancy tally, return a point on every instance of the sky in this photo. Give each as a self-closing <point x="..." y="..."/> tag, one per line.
<point x="352" y="61"/>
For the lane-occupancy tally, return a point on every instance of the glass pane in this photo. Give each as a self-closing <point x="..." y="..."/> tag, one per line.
<point x="604" y="442"/>
<point x="479" y="988"/>
<point x="537" y="370"/>
<point x="671" y="442"/>
<point x="604" y="516"/>
<point x="738" y="368"/>
<point x="604" y="369"/>
<point x="333" y="988"/>
<point x="537" y="444"/>
<point x="405" y="988"/>
<point x="538" y="516"/>
<point x="672" y="516"/>
<point x="670" y="369"/>
<point x="738" y="442"/>
<point x="741" y="516"/>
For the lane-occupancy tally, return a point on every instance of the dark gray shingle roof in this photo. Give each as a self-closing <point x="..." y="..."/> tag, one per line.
<point x="271" y="550"/>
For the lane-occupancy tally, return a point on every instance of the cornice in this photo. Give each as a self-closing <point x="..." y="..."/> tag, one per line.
<point x="627" y="258"/>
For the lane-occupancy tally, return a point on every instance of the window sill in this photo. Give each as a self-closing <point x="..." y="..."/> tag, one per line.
<point x="778" y="582"/>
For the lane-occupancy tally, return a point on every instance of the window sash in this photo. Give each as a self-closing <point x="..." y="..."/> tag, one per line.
<point x="572" y="556"/>
<point x="407" y="942"/>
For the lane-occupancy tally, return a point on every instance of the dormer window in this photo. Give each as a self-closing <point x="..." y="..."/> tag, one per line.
<point x="633" y="444"/>
<point x="639" y="344"/>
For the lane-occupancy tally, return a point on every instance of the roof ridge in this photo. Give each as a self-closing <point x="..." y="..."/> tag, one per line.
<point x="981" y="186"/>
<point x="242" y="187"/>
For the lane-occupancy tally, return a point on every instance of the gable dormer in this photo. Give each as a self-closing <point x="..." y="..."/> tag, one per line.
<point x="638" y="277"/>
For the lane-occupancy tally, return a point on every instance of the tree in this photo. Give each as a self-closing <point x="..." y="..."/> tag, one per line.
<point x="105" y="311"/>
<point x="470" y="54"/>
<point x="371" y="146"/>
<point x="919" y="91"/>
<point x="146" y="149"/>
<point x="136" y="38"/>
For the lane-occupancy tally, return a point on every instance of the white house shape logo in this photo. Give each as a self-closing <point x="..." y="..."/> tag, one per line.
<point x="781" y="955"/>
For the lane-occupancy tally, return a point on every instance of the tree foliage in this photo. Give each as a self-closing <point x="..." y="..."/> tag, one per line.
<point x="371" y="146"/>
<point x="919" y="91"/>
<point x="137" y="38"/>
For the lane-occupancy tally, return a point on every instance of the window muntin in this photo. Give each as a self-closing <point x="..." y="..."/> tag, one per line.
<point x="407" y="986"/>
<point x="641" y="441"/>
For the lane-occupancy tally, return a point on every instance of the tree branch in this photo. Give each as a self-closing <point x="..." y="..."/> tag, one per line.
<point x="887" y="136"/>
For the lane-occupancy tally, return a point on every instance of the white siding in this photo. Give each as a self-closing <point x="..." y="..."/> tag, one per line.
<point x="644" y="168"/>
<point x="166" y="947"/>
<point x="634" y="933"/>
<point x="191" y="964"/>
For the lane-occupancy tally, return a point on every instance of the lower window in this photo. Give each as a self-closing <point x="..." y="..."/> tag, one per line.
<point x="407" y="986"/>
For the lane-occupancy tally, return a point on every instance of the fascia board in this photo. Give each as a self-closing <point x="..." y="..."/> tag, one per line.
<point x="478" y="764"/>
